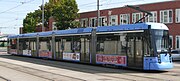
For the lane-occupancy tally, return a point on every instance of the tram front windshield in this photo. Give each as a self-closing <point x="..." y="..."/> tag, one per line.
<point x="161" y="40"/>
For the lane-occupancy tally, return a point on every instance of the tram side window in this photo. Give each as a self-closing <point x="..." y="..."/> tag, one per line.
<point x="85" y="45"/>
<point x="23" y="45"/>
<point x="122" y="47"/>
<point x="130" y="45"/>
<point x="42" y="45"/>
<point x="66" y="45"/>
<point x="13" y="44"/>
<point x="76" y="46"/>
<point x="26" y="46"/>
<point x="146" y="45"/>
<point x="32" y="45"/>
<point x="100" y="47"/>
<point x="107" y="45"/>
<point x="45" y="44"/>
<point x="146" y="48"/>
<point x="58" y="45"/>
<point x="138" y="46"/>
<point x="71" y="45"/>
<point x="110" y="47"/>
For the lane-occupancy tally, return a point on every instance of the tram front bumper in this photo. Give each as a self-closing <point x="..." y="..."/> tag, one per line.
<point x="161" y="66"/>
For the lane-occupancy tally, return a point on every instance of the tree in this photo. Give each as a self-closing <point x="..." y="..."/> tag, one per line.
<point x="49" y="8"/>
<point x="65" y="14"/>
<point x="64" y="11"/>
<point x="31" y="21"/>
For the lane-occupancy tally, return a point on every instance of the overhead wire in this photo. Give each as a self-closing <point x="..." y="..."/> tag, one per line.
<point x="22" y="3"/>
<point x="91" y="5"/>
<point x="95" y="2"/>
<point x="87" y="4"/>
<point x="9" y="21"/>
<point x="123" y="2"/>
<point x="6" y="11"/>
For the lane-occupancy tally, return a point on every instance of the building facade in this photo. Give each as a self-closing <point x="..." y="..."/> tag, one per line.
<point x="163" y="12"/>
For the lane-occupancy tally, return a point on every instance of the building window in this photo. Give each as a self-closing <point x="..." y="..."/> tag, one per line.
<point x="177" y="15"/>
<point x="103" y="21"/>
<point x="171" y="40"/>
<point x="152" y="18"/>
<point x="93" y="22"/>
<point x="54" y="27"/>
<point x="166" y="16"/>
<point x="177" y="42"/>
<point x="136" y="17"/>
<point x="124" y="19"/>
<point x="113" y="20"/>
<point x="84" y="22"/>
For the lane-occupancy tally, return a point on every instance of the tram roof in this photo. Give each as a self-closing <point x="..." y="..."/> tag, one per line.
<point x="123" y="27"/>
<point x="138" y="26"/>
<point x="13" y="36"/>
<point x="27" y="35"/>
<point x="49" y="33"/>
<point x="74" y="31"/>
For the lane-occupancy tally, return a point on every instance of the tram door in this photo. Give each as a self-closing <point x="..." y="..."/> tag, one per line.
<point x="58" y="48"/>
<point x="85" y="47"/>
<point x="134" y="51"/>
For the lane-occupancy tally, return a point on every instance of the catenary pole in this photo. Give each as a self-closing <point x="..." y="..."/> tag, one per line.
<point x="42" y="15"/>
<point x="98" y="13"/>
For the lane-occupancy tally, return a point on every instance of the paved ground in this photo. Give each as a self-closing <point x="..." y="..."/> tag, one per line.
<point x="15" y="68"/>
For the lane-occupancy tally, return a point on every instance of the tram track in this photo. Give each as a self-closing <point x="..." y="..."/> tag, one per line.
<point x="74" y="79"/>
<point x="119" y="71"/>
<point x="90" y="69"/>
<point x="32" y="71"/>
<point x="64" y="65"/>
<point x="131" y="75"/>
<point x="100" y="71"/>
<point x="147" y="77"/>
<point x="174" y="72"/>
<point x="5" y="79"/>
<point x="115" y="70"/>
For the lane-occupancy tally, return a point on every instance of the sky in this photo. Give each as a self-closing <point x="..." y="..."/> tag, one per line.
<point x="12" y="12"/>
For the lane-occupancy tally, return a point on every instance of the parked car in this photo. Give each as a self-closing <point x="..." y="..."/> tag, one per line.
<point x="175" y="55"/>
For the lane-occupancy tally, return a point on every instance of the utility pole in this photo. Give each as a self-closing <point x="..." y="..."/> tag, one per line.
<point x="42" y="15"/>
<point x="98" y="13"/>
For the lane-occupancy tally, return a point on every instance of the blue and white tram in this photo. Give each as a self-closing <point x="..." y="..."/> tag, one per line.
<point x="140" y="46"/>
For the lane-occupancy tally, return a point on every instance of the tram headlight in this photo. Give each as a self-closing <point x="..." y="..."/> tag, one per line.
<point x="159" y="58"/>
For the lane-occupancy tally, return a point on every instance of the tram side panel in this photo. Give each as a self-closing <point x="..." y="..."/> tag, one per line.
<point x="111" y="49"/>
<point x="73" y="48"/>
